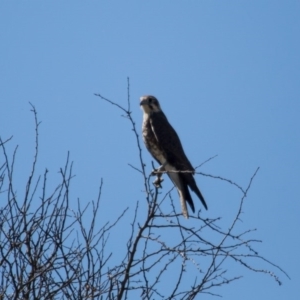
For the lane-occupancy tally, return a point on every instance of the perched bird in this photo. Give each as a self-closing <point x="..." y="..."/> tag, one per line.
<point x="164" y="145"/>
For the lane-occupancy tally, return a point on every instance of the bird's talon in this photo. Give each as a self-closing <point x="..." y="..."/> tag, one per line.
<point x="154" y="172"/>
<point x="157" y="182"/>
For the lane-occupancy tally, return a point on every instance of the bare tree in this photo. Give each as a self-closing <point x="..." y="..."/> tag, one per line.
<point x="48" y="252"/>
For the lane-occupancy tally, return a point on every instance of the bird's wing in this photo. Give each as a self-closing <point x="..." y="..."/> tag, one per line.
<point x="169" y="142"/>
<point x="182" y="189"/>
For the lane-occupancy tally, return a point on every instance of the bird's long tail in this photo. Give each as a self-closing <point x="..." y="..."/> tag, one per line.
<point x="195" y="189"/>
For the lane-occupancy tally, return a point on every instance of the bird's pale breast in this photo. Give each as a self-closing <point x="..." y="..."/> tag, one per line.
<point x="151" y="141"/>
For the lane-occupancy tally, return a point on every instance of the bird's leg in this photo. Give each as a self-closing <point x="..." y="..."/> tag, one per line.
<point x="158" y="180"/>
<point x="158" y="172"/>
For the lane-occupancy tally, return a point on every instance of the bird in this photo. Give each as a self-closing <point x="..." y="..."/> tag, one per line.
<point x="163" y="143"/>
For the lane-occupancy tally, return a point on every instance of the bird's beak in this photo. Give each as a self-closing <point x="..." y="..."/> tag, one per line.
<point x="143" y="101"/>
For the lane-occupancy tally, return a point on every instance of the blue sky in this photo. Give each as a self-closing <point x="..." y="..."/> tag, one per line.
<point x="227" y="74"/>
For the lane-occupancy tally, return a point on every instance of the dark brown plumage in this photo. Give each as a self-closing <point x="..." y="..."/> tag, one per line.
<point x="164" y="145"/>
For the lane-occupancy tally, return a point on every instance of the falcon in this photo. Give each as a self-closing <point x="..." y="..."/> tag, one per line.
<point x="164" y="145"/>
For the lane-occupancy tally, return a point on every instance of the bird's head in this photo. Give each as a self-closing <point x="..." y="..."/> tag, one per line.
<point x="149" y="104"/>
